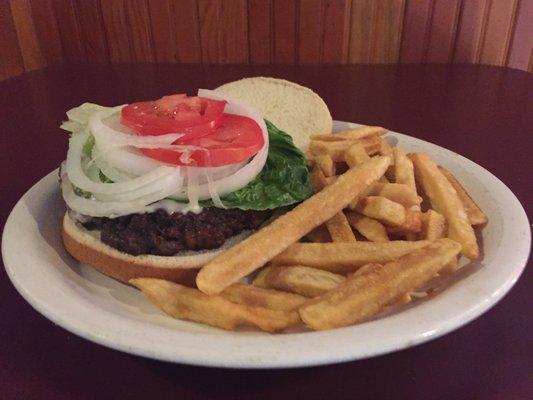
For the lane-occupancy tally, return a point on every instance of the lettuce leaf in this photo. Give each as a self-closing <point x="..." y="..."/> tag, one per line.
<point x="283" y="181"/>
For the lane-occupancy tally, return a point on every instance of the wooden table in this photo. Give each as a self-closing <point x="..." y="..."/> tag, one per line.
<point x="484" y="113"/>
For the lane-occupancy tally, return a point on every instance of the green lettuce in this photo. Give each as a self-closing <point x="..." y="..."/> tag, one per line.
<point x="283" y="181"/>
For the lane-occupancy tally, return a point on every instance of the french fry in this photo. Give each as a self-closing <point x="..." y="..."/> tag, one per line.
<point x="433" y="225"/>
<point x="384" y="147"/>
<point x="253" y="252"/>
<point x="370" y="228"/>
<point x="444" y="199"/>
<point x="397" y="192"/>
<point x="475" y="215"/>
<point x="337" y="226"/>
<point x="450" y="267"/>
<point x="343" y="258"/>
<point x="382" y="209"/>
<point x="363" y="295"/>
<point x="351" y="134"/>
<point x="336" y="149"/>
<point x="306" y="281"/>
<point x="325" y="164"/>
<point x="190" y="304"/>
<point x="319" y="235"/>
<point x="411" y="225"/>
<point x="403" y="169"/>
<point x="355" y="155"/>
<point x="262" y="297"/>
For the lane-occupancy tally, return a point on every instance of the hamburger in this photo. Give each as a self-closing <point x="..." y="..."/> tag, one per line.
<point x="158" y="188"/>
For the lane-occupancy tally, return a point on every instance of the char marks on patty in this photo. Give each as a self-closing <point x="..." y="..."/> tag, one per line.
<point x="164" y="234"/>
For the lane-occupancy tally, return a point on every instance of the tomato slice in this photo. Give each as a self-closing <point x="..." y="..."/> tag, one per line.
<point x="235" y="140"/>
<point x="193" y="116"/>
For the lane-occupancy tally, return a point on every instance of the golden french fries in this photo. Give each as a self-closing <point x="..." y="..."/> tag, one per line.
<point x="351" y="134"/>
<point x="319" y="235"/>
<point x="336" y="149"/>
<point x="363" y="295"/>
<point x="433" y="225"/>
<point x="306" y="281"/>
<point x="253" y="252"/>
<point x="337" y="226"/>
<point x="444" y="199"/>
<point x="336" y="280"/>
<point x="187" y="303"/>
<point x="369" y="228"/>
<point x="250" y="295"/>
<point x="403" y="169"/>
<point x="382" y="209"/>
<point x="345" y="257"/>
<point x="475" y="215"/>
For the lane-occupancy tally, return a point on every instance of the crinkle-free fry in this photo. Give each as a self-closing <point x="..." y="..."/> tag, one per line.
<point x="351" y="134"/>
<point x="336" y="149"/>
<point x="272" y="299"/>
<point x="345" y="257"/>
<point x="325" y="164"/>
<point x="433" y="225"/>
<point x="361" y="296"/>
<point x="255" y="251"/>
<point x="475" y="215"/>
<point x="384" y="210"/>
<point x="338" y="227"/>
<point x="190" y="304"/>
<point x="403" y="169"/>
<point x="445" y="200"/>
<point x="306" y="281"/>
<point x="399" y="193"/>
<point x="370" y="228"/>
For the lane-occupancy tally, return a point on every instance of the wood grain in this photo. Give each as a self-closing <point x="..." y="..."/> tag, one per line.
<point x="93" y="35"/>
<point x="284" y="22"/>
<point x="69" y="31"/>
<point x="38" y="33"/>
<point x="12" y="63"/>
<point x="310" y="30"/>
<point x="260" y="31"/>
<point x="336" y="31"/>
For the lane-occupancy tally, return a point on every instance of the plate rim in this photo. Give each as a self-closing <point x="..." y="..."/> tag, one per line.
<point x="450" y="324"/>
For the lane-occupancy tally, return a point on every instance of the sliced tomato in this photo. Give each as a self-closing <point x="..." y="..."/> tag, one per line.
<point x="193" y="116"/>
<point x="235" y="140"/>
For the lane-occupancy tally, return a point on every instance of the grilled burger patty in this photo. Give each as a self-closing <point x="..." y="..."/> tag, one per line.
<point x="166" y="234"/>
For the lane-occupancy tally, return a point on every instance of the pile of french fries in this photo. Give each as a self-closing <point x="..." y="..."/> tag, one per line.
<point x="381" y="225"/>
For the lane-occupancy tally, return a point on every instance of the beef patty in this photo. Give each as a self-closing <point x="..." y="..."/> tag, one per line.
<point x="166" y="234"/>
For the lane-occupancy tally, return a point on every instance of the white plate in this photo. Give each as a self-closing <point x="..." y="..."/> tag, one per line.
<point x="115" y="315"/>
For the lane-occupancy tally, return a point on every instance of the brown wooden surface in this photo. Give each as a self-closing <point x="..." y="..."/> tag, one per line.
<point x="39" y="33"/>
<point x="483" y="113"/>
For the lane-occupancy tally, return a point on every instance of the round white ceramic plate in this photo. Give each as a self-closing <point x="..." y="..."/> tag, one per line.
<point x="115" y="315"/>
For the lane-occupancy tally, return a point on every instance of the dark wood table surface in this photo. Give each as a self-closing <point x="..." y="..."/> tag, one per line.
<point x="484" y="113"/>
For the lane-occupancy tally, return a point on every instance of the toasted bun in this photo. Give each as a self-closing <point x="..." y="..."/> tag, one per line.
<point x="88" y="249"/>
<point x="294" y="109"/>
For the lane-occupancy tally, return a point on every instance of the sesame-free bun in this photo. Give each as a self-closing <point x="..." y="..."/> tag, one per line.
<point x="295" y="109"/>
<point x="88" y="249"/>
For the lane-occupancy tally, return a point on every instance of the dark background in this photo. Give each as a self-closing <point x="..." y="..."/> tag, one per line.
<point x="483" y="113"/>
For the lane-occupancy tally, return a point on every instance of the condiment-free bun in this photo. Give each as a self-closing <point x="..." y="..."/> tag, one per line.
<point x="88" y="249"/>
<point x="293" y="108"/>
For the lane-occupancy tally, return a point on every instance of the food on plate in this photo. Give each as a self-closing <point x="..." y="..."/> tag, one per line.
<point x="343" y="258"/>
<point x="337" y="226"/>
<point x="253" y="252"/>
<point x="370" y="228"/>
<point x="291" y="107"/>
<point x="444" y="199"/>
<point x="158" y="188"/>
<point x="475" y="215"/>
<point x="262" y="297"/>
<point x="190" y="304"/>
<point x="219" y="218"/>
<point x="368" y="291"/>
<point x="306" y="281"/>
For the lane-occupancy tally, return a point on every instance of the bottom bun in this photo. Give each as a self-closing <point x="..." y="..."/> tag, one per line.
<point x="85" y="247"/>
